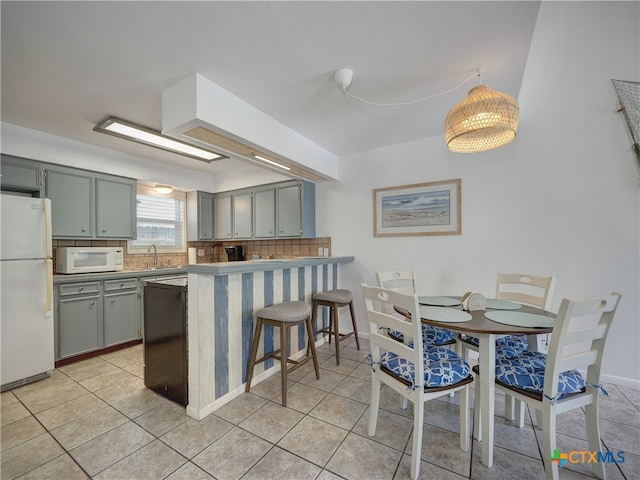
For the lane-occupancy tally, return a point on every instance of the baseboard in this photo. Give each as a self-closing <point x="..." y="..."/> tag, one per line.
<point x="622" y="381"/>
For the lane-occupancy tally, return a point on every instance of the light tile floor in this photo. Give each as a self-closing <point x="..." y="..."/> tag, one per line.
<point x="96" y="419"/>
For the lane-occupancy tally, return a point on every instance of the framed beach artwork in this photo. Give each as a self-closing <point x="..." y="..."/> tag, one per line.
<point x="432" y="208"/>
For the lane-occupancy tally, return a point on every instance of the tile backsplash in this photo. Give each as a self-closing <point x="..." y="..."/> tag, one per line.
<point x="213" y="251"/>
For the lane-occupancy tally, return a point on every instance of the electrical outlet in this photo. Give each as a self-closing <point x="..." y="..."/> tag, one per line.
<point x="319" y="251"/>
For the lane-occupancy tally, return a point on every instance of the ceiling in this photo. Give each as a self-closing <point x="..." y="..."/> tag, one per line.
<point x="66" y="66"/>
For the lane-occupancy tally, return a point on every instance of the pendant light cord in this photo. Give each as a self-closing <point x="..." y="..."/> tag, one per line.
<point x="344" y="89"/>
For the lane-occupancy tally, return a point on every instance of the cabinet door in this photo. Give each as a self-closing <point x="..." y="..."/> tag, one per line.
<point x="78" y="324"/>
<point x="21" y="175"/>
<point x="223" y="219"/>
<point x="289" y="211"/>
<point x="72" y="207"/>
<point x="205" y="216"/>
<point x="265" y="213"/>
<point x="115" y="208"/>
<point x="243" y="216"/>
<point x="121" y="322"/>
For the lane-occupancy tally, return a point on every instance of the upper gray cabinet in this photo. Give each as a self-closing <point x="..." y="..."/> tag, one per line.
<point x="21" y="175"/>
<point x="281" y="210"/>
<point x="199" y="216"/>
<point x="72" y="202"/>
<point x="86" y="204"/>
<point x="243" y="215"/>
<point x="264" y="208"/>
<point x="296" y="210"/>
<point x="222" y="211"/>
<point x="115" y="207"/>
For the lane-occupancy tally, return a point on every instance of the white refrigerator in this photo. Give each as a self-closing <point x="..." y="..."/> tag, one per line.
<point x="26" y="281"/>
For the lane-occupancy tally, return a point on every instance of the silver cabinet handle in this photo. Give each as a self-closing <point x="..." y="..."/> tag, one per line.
<point x="92" y="303"/>
<point x="122" y="284"/>
<point x="81" y="288"/>
<point x="84" y="229"/>
<point x="104" y="230"/>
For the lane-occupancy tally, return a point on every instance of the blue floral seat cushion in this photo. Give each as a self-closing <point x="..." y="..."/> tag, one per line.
<point x="527" y="373"/>
<point x="442" y="367"/>
<point x="430" y="336"/>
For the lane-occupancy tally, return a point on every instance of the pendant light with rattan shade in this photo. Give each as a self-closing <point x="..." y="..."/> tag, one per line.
<point x="485" y="120"/>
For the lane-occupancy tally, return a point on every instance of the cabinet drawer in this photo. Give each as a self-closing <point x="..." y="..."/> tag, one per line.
<point x="122" y="284"/>
<point x="78" y="288"/>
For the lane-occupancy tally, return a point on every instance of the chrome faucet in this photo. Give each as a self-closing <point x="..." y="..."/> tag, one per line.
<point x="155" y="255"/>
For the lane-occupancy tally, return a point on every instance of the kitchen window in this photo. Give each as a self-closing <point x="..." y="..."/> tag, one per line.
<point x="160" y="221"/>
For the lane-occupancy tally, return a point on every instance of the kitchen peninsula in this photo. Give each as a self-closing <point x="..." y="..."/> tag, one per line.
<point x="222" y="301"/>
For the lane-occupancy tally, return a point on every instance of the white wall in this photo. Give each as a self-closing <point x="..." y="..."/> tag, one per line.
<point x="563" y="199"/>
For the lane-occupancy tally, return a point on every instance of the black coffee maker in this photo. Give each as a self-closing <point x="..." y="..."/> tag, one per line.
<point x="235" y="254"/>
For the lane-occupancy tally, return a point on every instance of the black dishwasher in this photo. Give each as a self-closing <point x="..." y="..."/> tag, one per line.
<point x="165" y="337"/>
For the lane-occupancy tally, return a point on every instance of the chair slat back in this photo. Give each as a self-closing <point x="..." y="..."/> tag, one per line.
<point x="578" y="339"/>
<point x="531" y="290"/>
<point x="399" y="281"/>
<point x="377" y="301"/>
<point x="404" y="281"/>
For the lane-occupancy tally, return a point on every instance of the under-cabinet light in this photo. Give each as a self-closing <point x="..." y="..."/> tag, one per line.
<point x="271" y="162"/>
<point x="147" y="136"/>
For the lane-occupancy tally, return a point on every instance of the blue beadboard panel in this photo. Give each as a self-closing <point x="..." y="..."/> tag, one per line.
<point x="247" y="320"/>
<point x="221" y="334"/>
<point x="302" y="332"/>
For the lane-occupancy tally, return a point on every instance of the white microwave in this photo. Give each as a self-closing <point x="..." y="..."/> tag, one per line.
<point x="89" y="259"/>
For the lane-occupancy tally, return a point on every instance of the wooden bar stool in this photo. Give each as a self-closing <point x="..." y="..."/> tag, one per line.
<point x="284" y="316"/>
<point x="335" y="299"/>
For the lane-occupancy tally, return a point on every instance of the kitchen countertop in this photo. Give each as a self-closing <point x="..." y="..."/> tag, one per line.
<point x="218" y="268"/>
<point x="92" y="277"/>
<point x="226" y="268"/>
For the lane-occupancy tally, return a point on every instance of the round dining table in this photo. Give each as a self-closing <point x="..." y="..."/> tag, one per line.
<point x="487" y="331"/>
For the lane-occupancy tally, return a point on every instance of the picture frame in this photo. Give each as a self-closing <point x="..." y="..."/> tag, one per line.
<point x="433" y="208"/>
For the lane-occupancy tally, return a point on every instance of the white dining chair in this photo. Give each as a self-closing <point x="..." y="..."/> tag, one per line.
<point x="405" y="282"/>
<point x="417" y="374"/>
<point x="553" y="384"/>
<point x="533" y="290"/>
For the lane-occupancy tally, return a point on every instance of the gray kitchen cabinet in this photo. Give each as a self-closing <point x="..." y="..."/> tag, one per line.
<point x="222" y="206"/>
<point x="264" y="208"/>
<point x="79" y="317"/>
<point x="243" y="215"/>
<point x="200" y="218"/>
<point x="278" y="210"/>
<point x="87" y="204"/>
<point x="21" y="175"/>
<point x="115" y="207"/>
<point x="72" y="202"/>
<point x="121" y="311"/>
<point x="97" y="314"/>
<point x="296" y="210"/>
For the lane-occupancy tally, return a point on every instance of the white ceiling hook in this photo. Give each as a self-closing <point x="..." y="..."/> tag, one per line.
<point x="343" y="78"/>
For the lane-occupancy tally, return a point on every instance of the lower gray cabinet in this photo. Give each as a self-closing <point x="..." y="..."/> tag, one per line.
<point x="97" y="314"/>
<point x="79" y="319"/>
<point x="121" y="311"/>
